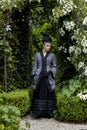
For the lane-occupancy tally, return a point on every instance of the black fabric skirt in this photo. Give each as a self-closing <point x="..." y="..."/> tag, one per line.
<point x="44" y="101"/>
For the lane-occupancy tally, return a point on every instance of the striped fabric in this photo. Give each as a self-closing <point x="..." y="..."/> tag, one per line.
<point x="43" y="105"/>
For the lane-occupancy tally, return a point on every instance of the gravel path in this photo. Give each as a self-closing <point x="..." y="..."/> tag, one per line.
<point x="50" y="124"/>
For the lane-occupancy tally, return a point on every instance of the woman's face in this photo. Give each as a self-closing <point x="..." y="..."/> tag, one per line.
<point x="47" y="46"/>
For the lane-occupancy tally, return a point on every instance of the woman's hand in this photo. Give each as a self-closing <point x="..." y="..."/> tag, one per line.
<point x="48" y="73"/>
<point x="32" y="76"/>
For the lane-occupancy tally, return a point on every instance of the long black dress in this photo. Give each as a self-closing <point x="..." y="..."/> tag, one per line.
<point x="44" y="101"/>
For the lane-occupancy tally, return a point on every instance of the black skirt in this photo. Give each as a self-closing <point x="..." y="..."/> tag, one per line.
<point x="44" y="101"/>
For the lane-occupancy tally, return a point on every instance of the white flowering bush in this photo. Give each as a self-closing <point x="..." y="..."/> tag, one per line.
<point x="68" y="25"/>
<point x="9" y="4"/>
<point x="82" y="96"/>
<point x="64" y="8"/>
<point x="72" y="18"/>
<point x="85" y="21"/>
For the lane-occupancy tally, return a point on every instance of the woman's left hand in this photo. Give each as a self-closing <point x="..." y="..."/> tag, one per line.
<point x="48" y="73"/>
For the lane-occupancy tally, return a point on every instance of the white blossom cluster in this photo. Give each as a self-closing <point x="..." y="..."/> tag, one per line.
<point x="54" y="13"/>
<point x="76" y="50"/>
<point x="84" y="44"/>
<point x="76" y="32"/>
<point x="57" y="12"/>
<point x="69" y="58"/>
<point x="82" y="96"/>
<point x="85" y="1"/>
<point x="9" y="3"/>
<point x="85" y="72"/>
<point x="62" y="48"/>
<point x="81" y="42"/>
<point x="8" y="28"/>
<point x="85" y="21"/>
<point x="81" y="65"/>
<point x="69" y="25"/>
<point x="62" y="2"/>
<point x="84" y="41"/>
<point x="61" y="31"/>
<point x="85" y="50"/>
<point x="71" y="49"/>
<point x="66" y="6"/>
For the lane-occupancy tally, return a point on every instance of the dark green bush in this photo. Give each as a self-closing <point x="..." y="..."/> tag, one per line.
<point x="18" y="98"/>
<point x="70" y="109"/>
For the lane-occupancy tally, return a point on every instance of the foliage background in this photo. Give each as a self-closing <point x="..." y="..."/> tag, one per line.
<point x="20" y="25"/>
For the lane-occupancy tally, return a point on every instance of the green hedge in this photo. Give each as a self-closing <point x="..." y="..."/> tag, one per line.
<point x="18" y="98"/>
<point x="70" y="109"/>
<point x="9" y="118"/>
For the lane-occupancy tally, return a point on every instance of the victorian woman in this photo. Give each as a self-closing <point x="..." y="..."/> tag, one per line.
<point x="44" y="72"/>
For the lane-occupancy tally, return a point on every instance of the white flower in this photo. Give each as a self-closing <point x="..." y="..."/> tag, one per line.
<point x="2" y="7"/>
<point x="64" y="11"/>
<point x="53" y="11"/>
<point x="68" y="58"/>
<point x="81" y="65"/>
<point x="15" y="5"/>
<point x="23" y="19"/>
<point x="77" y="51"/>
<point x="72" y="37"/>
<point x="62" y="2"/>
<point x="57" y="12"/>
<point x="68" y="6"/>
<point x="39" y="1"/>
<point x="69" y="25"/>
<point x="61" y="31"/>
<point x="85" y="21"/>
<point x="71" y="49"/>
<point x="82" y="96"/>
<point x="9" y="1"/>
<point x="85" y="72"/>
<point x="65" y="50"/>
<point x="85" y="1"/>
<point x="76" y="31"/>
<point x="84" y="42"/>
<point x="8" y="28"/>
<point x="61" y="48"/>
<point x="85" y="50"/>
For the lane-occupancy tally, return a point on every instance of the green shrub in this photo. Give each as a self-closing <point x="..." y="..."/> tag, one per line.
<point x="18" y="98"/>
<point x="69" y="87"/>
<point x="9" y="118"/>
<point x="1" y="88"/>
<point x="70" y="109"/>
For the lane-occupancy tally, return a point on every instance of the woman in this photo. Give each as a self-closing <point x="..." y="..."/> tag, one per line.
<point x="43" y="72"/>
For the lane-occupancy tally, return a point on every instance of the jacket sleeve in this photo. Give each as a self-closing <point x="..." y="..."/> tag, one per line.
<point x="34" y="68"/>
<point x="54" y="66"/>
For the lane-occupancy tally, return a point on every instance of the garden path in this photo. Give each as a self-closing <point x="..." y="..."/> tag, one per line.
<point x="50" y="124"/>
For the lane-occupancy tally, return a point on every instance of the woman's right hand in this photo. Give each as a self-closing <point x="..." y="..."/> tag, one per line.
<point x="46" y="74"/>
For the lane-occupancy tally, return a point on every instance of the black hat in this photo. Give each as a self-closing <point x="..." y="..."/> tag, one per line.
<point x="46" y="37"/>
